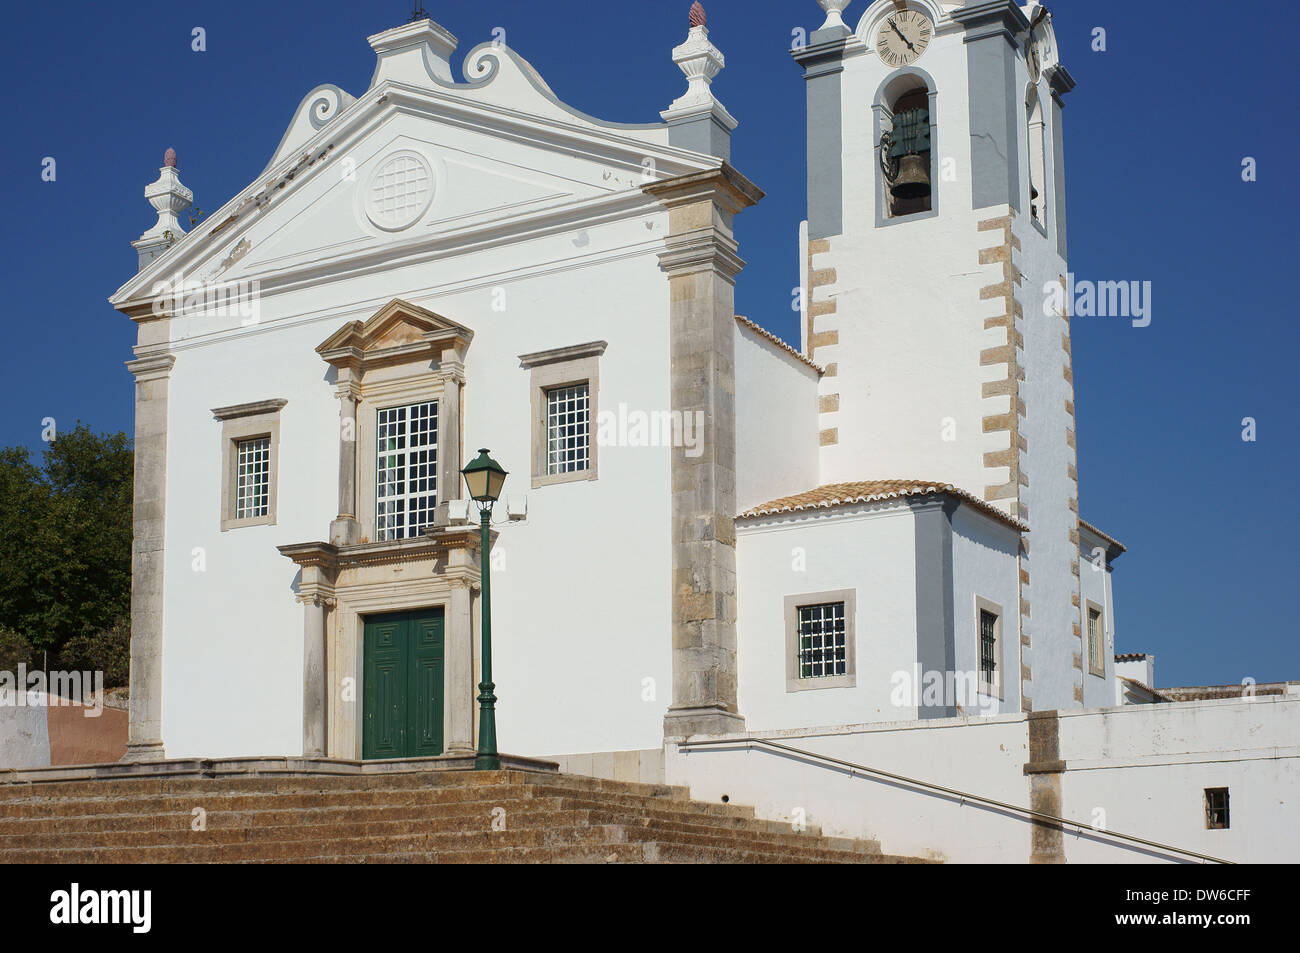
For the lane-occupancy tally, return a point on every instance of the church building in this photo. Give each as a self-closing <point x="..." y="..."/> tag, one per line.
<point x="705" y="530"/>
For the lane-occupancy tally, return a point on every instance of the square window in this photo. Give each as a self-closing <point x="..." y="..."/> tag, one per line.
<point x="823" y="641"/>
<point x="820" y="640"/>
<point x="1216" y="809"/>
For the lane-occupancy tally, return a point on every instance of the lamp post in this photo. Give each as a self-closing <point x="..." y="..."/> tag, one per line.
<point x="484" y="479"/>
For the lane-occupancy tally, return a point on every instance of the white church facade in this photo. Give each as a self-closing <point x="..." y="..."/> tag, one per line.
<point x="706" y="532"/>
<point x="438" y="265"/>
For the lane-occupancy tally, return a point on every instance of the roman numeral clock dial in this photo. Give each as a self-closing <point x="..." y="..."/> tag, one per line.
<point x="903" y="37"/>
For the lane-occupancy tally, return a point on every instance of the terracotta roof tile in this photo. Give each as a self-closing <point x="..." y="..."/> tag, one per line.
<point x="873" y="491"/>
<point x="1096" y="532"/>
<point x="764" y="333"/>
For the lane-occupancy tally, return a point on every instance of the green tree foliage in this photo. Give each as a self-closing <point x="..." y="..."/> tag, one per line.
<point x="108" y="652"/>
<point x="65" y="542"/>
<point x="15" y="651"/>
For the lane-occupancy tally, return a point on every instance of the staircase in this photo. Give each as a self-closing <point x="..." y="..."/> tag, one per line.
<point x="510" y="816"/>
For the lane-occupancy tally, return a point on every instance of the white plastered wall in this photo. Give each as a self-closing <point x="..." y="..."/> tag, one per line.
<point x="565" y="642"/>
<point x="776" y="422"/>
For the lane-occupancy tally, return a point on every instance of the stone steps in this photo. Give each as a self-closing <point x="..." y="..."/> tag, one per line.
<point x="417" y="817"/>
<point x="432" y="834"/>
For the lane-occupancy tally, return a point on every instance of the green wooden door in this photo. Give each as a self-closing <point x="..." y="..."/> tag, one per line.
<point x="402" y="683"/>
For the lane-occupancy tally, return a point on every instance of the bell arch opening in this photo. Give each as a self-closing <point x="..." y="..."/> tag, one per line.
<point x="905" y="110"/>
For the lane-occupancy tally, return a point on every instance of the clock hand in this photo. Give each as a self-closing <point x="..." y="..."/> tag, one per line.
<point x="901" y="36"/>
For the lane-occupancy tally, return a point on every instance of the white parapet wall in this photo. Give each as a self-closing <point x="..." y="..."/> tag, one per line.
<point x="1144" y="769"/>
<point x="1137" y="770"/>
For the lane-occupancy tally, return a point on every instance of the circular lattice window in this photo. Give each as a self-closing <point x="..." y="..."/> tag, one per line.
<point x="400" y="191"/>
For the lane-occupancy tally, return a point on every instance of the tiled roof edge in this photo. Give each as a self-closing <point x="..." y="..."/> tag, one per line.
<point x="1108" y="538"/>
<point x="769" y="336"/>
<point x="920" y="489"/>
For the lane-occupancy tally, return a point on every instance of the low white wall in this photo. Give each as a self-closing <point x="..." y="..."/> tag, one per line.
<point x="980" y="755"/>
<point x="24" y="736"/>
<point x="1145" y="767"/>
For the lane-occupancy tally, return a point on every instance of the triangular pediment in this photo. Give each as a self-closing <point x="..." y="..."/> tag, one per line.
<point x="397" y="325"/>
<point x="414" y="171"/>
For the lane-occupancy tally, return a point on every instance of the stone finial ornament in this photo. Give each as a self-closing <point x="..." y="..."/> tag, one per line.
<point x="698" y="16"/>
<point x="834" y="13"/>
<point x="169" y="199"/>
<point x="700" y="60"/>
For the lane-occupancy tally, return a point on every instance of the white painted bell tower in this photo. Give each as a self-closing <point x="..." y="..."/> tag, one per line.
<point x="936" y="217"/>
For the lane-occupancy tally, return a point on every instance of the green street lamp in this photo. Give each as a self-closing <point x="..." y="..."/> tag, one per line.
<point x="484" y="479"/>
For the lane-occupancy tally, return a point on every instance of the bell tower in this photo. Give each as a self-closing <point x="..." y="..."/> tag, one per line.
<point x="936" y="221"/>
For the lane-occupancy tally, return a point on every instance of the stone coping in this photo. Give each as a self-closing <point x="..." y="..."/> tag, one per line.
<point x="290" y="767"/>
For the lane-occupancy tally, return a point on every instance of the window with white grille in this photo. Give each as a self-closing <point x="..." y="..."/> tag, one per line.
<point x="252" y="478"/>
<point x="406" y="470"/>
<point x="822" y="641"/>
<point x="250" y="452"/>
<point x="568" y="429"/>
<point x="1096" y="643"/>
<point x="988" y="647"/>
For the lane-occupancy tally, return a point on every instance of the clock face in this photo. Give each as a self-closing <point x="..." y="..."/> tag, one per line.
<point x="903" y="37"/>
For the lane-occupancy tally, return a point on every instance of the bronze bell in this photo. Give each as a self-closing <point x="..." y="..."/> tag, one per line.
<point x="913" y="179"/>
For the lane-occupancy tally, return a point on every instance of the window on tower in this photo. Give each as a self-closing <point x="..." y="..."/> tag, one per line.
<point x="1037" y="160"/>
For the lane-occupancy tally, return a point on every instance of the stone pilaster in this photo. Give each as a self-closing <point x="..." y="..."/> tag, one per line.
<point x="451" y="370"/>
<point x="151" y="371"/>
<point x="1044" y="770"/>
<point x="314" y="686"/>
<point x="701" y="262"/>
<point x="346" y="528"/>
<point x="458" y="727"/>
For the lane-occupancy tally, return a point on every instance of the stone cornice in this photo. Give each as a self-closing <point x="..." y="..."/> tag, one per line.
<point x="432" y="544"/>
<point x="992" y="18"/>
<point x="252" y="409"/>
<point x="818" y="58"/>
<point x="558" y="355"/>
<point x="1061" y="82"/>
<point x="316" y="595"/>
<point x="724" y="186"/>
<point x="347" y="390"/>
<point x="142" y="311"/>
<point x="151" y="367"/>
<point x="702" y="249"/>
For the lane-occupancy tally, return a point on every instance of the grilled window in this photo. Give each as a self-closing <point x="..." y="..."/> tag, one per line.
<point x="252" y="478"/>
<point x="406" y="470"/>
<point x="1216" y="809"/>
<point x="988" y="645"/>
<point x="1096" y="644"/>
<point x="568" y="429"/>
<point x="822" y="641"/>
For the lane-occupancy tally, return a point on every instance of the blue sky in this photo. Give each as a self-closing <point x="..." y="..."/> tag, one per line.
<point x="1155" y="137"/>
